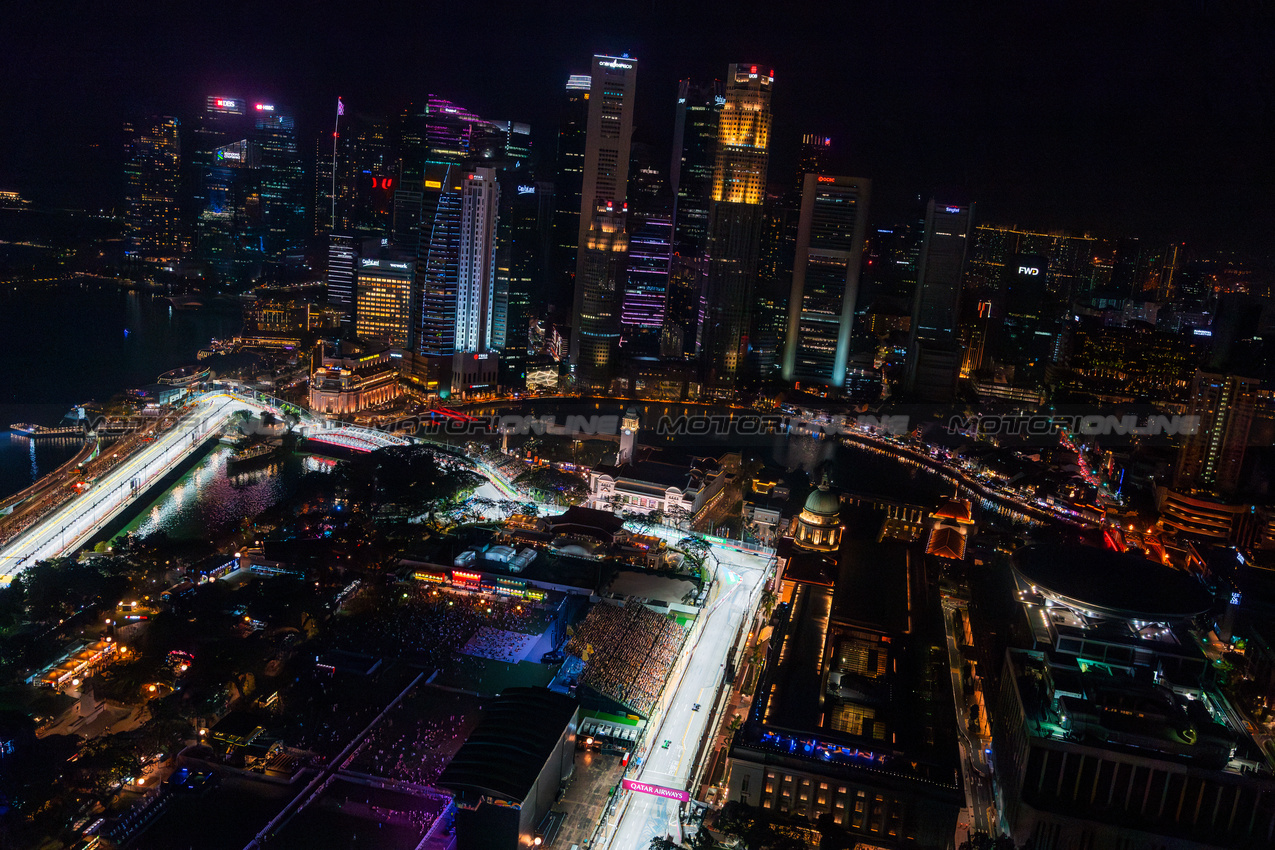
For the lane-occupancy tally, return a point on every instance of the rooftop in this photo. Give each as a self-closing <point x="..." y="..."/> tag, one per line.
<point x="1111" y="583"/>
<point x="847" y="680"/>
<point x="504" y="755"/>
<point x="1114" y="711"/>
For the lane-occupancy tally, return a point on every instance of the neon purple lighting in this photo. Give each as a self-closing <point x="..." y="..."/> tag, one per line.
<point x="646" y="289"/>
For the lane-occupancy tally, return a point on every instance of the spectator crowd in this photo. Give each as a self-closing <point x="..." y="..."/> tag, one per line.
<point x="628" y="652"/>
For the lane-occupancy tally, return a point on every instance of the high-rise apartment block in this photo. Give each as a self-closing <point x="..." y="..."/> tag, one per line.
<point x="1211" y="459"/>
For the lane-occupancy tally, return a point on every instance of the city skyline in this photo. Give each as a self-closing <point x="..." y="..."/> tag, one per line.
<point x="424" y="430"/>
<point x="1100" y="120"/>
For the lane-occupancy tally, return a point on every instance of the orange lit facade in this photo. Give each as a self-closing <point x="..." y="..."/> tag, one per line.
<point x="743" y="137"/>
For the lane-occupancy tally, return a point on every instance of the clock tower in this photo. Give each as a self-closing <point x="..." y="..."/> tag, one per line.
<point x="628" y="437"/>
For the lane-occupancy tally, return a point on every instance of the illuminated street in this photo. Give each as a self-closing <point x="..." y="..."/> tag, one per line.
<point x="641" y="817"/>
<point x="67" y="527"/>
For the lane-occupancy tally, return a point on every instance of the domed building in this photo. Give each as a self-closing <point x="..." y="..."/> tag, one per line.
<point x="819" y="523"/>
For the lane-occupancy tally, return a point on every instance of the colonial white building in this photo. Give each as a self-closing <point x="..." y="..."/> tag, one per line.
<point x="644" y="485"/>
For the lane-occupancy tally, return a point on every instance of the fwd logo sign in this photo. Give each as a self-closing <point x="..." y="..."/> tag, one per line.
<point x="1028" y="270"/>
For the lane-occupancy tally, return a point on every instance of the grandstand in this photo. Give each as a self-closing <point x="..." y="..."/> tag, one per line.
<point x="627" y="653"/>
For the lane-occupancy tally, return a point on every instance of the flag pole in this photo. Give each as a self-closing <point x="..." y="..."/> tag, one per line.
<point x="336" y="128"/>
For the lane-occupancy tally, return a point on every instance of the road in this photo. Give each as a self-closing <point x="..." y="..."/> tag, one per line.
<point x="979" y="793"/>
<point x="68" y="526"/>
<point x="641" y="817"/>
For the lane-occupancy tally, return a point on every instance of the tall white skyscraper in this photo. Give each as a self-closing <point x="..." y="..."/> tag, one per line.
<point x="602" y="239"/>
<point x="475" y="296"/>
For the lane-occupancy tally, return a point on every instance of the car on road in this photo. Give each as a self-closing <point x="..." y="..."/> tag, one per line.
<point x="695" y="707"/>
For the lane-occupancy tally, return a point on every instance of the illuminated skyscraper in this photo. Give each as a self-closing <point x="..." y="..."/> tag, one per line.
<point x="152" y="177"/>
<point x="934" y="358"/>
<point x="445" y="131"/>
<point x="279" y="183"/>
<point x="475" y="296"/>
<point x="572" y="133"/>
<point x="385" y="300"/>
<point x="694" y="161"/>
<point x="1211" y="459"/>
<point x="524" y="240"/>
<point x="812" y="158"/>
<point x="825" y="280"/>
<point x="438" y="260"/>
<point x="735" y="220"/>
<point x="602" y="239"/>
<point x="646" y="287"/>
<point x="343" y="257"/>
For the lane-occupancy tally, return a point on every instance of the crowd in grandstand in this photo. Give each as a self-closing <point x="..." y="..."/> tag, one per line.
<point x="432" y="626"/>
<point x="628" y="652"/>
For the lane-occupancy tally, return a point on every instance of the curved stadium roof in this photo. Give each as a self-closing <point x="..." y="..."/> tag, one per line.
<point x="1112" y="584"/>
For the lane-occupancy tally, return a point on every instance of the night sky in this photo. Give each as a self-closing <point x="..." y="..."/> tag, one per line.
<point x="1147" y="119"/>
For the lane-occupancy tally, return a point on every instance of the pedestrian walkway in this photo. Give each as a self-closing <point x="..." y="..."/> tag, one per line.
<point x="587" y="795"/>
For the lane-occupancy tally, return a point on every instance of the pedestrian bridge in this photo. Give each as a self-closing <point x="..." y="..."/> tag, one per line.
<point x="356" y="438"/>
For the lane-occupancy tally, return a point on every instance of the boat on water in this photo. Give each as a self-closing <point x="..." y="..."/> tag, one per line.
<point x="254" y="457"/>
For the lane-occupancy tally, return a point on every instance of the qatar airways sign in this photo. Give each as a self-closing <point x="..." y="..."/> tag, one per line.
<point x="656" y="790"/>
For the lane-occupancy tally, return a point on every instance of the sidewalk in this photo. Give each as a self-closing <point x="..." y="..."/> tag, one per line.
<point x="586" y="797"/>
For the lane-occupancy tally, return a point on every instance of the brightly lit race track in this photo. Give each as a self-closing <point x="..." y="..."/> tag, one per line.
<point x="642" y="817"/>
<point x="66" y="528"/>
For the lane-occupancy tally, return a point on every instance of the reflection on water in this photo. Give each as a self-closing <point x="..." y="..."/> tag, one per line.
<point x="24" y="461"/>
<point x="861" y="471"/>
<point x="206" y="502"/>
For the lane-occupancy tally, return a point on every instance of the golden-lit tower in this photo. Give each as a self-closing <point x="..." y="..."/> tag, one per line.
<point x="735" y="219"/>
<point x="743" y="137"/>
